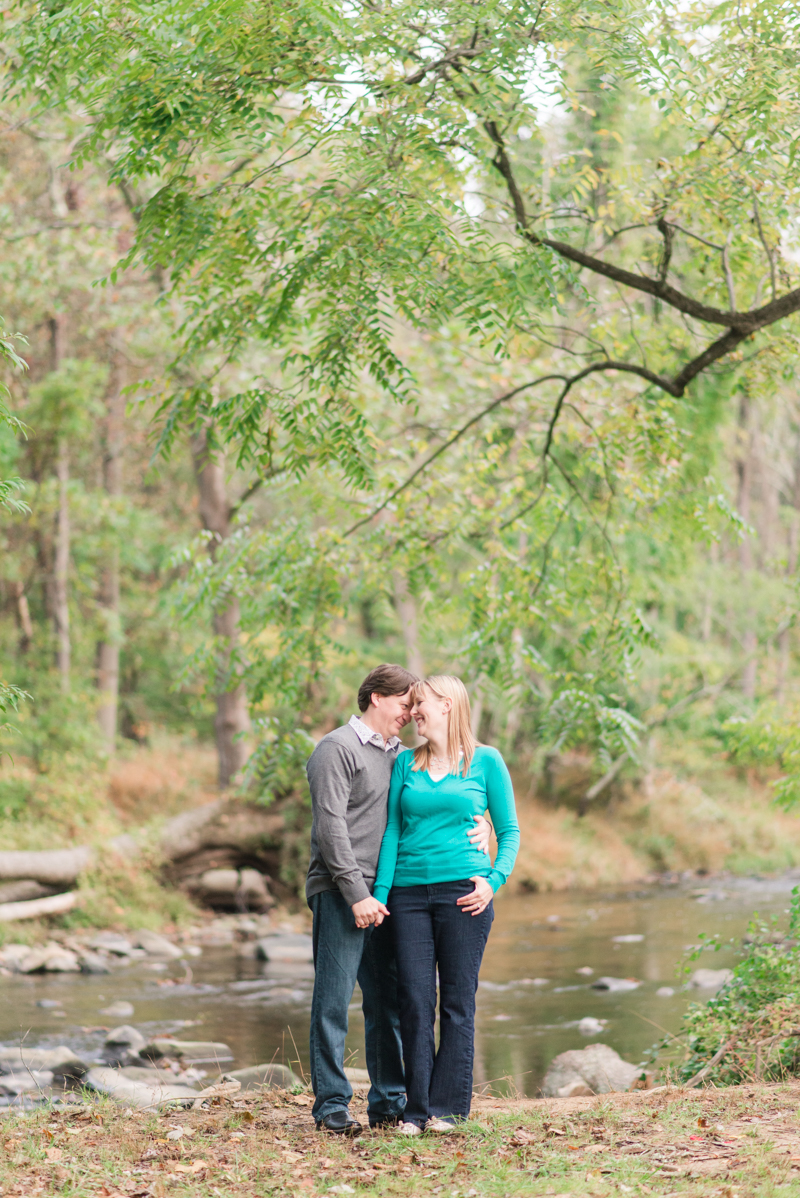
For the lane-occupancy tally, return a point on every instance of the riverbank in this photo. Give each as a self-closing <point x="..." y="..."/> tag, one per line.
<point x="693" y="814"/>
<point x="671" y="1141"/>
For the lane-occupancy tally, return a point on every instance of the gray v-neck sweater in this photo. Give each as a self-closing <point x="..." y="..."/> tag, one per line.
<point x="349" y="785"/>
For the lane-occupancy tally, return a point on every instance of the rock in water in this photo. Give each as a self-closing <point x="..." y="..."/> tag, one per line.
<point x="589" y="1026"/>
<point x="156" y="945"/>
<point x="664" y="992"/>
<point x="617" y="984"/>
<point x="264" y="1077"/>
<point x="125" y="1037"/>
<point x="137" y="1093"/>
<point x="187" y="1050"/>
<point x="629" y="938"/>
<point x="286" y="947"/>
<point x="51" y="958"/>
<point x="36" y="1079"/>
<point x="93" y="963"/>
<point x="597" y="1069"/>
<point x="119" y="1010"/>
<point x="709" y="979"/>
<point x="60" y="1061"/>
<point x="111" y="942"/>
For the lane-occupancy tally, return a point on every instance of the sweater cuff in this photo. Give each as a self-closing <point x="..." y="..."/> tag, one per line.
<point x="381" y="893"/>
<point x="353" y="890"/>
<point x="495" y="880"/>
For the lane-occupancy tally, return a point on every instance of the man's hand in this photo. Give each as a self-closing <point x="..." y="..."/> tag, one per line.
<point x="368" y="911"/>
<point x="478" y="899"/>
<point x="480" y="835"/>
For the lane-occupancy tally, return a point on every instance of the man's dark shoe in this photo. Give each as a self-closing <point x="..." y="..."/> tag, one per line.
<point x="383" y="1121"/>
<point x="340" y="1123"/>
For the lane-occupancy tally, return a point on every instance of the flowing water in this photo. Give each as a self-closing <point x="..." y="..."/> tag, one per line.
<point x="530" y="999"/>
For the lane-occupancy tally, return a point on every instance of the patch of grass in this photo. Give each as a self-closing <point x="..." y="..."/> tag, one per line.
<point x="708" y="1144"/>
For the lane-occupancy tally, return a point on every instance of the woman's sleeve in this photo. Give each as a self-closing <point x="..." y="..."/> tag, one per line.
<point x="387" y="860"/>
<point x="500" y="796"/>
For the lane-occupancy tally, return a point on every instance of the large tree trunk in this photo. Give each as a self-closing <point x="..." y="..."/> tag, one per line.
<point x="232" y="720"/>
<point x="109" y="646"/>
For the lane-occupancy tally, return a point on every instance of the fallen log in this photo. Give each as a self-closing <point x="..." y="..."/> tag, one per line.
<point x="54" y="904"/>
<point x="53" y="867"/>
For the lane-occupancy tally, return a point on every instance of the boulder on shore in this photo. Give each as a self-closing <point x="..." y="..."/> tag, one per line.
<point x="61" y="1061"/>
<point x="157" y="945"/>
<point x="145" y="1095"/>
<point x="597" y="1069"/>
<point x="264" y="1077"/>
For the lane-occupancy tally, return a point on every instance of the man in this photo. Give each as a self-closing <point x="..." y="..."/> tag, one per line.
<point x="349" y="774"/>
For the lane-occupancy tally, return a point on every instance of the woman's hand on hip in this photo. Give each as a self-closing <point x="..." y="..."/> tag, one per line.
<point x="478" y="899"/>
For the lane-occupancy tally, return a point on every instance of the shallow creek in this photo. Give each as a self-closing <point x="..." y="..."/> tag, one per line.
<point x="530" y="999"/>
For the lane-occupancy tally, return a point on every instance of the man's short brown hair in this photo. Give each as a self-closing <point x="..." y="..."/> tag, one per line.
<point x="385" y="680"/>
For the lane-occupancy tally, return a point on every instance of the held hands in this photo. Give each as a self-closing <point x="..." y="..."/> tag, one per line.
<point x="480" y="835"/>
<point x="368" y="911"/>
<point x="478" y="900"/>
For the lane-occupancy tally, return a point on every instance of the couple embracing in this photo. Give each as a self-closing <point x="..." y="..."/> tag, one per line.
<point x="400" y="886"/>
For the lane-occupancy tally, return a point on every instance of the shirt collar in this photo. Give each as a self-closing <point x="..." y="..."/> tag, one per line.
<point x="369" y="737"/>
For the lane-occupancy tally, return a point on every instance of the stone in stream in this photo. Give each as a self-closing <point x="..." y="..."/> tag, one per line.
<point x="137" y="1093"/>
<point x="121" y="1009"/>
<point x="125" y="1037"/>
<point x="285" y="947"/>
<point x="93" y="963"/>
<point x="19" y="1083"/>
<point x="186" y="1050"/>
<point x="112" y="942"/>
<point x="630" y="938"/>
<point x="48" y="1004"/>
<point x="619" y="985"/>
<point x="586" y="970"/>
<point x="709" y="979"/>
<point x="589" y="1026"/>
<point x="50" y="958"/>
<point x="156" y="945"/>
<point x="597" y="1069"/>
<point x="61" y="1061"/>
<point x="664" y="992"/>
<point x="260" y="1077"/>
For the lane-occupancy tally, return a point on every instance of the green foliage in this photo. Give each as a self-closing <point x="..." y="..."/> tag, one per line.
<point x="276" y="769"/>
<point x="755" y="1013"/>
<point x="770" y="737"/>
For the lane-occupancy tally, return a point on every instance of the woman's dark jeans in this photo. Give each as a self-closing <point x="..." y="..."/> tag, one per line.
<point x="430" y="930"/>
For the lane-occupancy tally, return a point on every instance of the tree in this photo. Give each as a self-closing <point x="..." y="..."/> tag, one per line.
<point x="314" y="183"/>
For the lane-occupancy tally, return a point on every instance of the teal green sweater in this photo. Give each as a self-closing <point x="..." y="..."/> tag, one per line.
<point x="426" y="834"/>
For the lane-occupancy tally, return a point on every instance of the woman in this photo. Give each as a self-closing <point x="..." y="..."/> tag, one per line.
<point x="439" y="893"/>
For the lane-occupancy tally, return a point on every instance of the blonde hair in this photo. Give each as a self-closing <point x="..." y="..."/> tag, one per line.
<point x="459" y="723"/>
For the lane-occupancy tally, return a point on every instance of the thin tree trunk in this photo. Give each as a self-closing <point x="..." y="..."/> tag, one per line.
<point x="108" y="647"/>
<point x="744" y="468"/>
<point x="785" y="641"/>
<point x="406" y="608"/>
<point x="62" y="546"/>
<point x="24" y="618"/>
<point x="61" y="571"/>
<point x="232" y="720"/>
<point x="708" y="605"/>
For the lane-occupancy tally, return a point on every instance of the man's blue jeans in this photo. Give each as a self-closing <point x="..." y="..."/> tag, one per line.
<point x="344" y="954"/>
<point x="431" y="931"/>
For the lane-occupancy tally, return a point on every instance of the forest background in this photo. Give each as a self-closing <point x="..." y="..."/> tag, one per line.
<point x="461" y="335"/>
